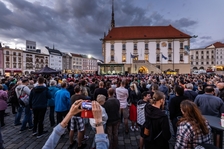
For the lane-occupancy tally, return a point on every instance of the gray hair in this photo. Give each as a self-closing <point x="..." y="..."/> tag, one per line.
<point x="53" y="82"/>
<point x="163" y="81"/>
<point x="189" y="86"/>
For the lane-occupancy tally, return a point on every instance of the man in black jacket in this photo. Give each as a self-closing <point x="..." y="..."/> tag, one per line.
<point x="100" y="90"/>
<point x="112" y="107"/>
<point x="156" y="127"/>
<point x="38" y="103"/>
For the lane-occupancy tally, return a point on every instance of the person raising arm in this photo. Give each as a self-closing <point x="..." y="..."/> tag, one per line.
<point x="101" y="139"/>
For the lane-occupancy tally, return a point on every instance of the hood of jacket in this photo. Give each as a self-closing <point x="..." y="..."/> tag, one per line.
<point x="39" y="89"/>
<point x="153" y="112"/>
<point x="19" y="87"/>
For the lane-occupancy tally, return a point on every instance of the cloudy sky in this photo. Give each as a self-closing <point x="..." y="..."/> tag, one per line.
<point x="77" y="25"/>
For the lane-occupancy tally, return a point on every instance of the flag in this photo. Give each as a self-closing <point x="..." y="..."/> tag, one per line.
<point x="133" y="56"/>
<point x="164" y="57"/>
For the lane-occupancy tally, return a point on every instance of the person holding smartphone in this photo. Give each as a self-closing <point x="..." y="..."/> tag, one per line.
<point x="101" y="138"/>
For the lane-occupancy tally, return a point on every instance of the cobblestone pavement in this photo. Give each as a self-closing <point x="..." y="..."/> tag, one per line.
<point x="15" y="140"/>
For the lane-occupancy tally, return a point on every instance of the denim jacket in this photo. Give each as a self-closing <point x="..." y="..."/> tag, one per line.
<point x="101" y="140"/>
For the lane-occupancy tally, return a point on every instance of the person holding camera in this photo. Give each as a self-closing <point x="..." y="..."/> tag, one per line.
<point x="101" y="138"/>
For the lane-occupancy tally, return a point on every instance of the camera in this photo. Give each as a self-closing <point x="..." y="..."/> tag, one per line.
<point x="86" y="105"/>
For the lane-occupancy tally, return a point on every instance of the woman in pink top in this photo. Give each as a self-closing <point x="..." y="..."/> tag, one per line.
<point x="3" y="104"/>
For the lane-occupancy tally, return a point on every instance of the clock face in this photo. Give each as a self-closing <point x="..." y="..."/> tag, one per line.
<point x="164" y="44"/>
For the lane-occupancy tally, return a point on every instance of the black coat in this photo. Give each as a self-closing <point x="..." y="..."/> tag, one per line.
<point x="160" y="123"/>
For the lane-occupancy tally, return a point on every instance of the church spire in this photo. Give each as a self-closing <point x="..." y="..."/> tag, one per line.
<point x="112" y="16"/>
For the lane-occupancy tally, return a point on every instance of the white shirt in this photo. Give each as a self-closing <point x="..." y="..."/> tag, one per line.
<point x="122" y="96"/>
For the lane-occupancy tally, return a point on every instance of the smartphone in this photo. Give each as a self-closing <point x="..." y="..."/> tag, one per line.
<point x="87" y="105"/>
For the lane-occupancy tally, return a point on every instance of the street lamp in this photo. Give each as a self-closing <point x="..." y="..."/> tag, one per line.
<point x="89" y="56"/>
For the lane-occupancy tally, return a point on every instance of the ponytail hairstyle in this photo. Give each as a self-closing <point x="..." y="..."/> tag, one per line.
<point x="158" y="95"/>
<point x="135" y="88"/>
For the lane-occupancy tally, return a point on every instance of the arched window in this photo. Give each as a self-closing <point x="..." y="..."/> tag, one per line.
<point x="195" y="68"/>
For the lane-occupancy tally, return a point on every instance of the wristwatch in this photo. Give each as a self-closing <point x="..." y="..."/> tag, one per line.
<point x="99" y="124"/>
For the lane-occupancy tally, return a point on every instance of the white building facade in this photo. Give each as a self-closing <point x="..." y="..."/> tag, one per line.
<point x="209" y="58"/>
<point x="55" y="59"/>
<point x="77" y="63"/>
<point x="89" y="64"/>
<point x="143" y="48"/>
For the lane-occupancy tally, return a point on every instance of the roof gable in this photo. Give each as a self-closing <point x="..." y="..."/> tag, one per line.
<point x="216" y="45"/>
<point x="145" y="32"/>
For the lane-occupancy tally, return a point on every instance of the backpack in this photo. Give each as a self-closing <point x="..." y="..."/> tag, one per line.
<point x="141" y="113"/>
<point x="12" y="95"/>
<point x="23" y="99"/>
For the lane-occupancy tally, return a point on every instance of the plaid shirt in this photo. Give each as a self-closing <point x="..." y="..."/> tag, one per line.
<point x="187" y="138"/>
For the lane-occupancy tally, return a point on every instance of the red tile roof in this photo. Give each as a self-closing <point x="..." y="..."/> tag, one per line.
<point x="145" y="32"/>
<point x="218" y="45"/>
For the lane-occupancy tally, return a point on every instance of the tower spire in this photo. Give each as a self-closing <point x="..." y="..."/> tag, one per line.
<point x="112" y="16"/>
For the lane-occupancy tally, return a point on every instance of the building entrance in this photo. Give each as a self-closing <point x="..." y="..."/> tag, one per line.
<point x="143" y="69"/>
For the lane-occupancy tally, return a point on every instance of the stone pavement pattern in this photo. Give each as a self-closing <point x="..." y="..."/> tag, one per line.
<point x="25" y="140"/>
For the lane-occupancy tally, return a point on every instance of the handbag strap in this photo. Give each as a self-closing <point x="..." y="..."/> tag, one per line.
<point x="158" y="135"/>
<point x="21" y="92"/>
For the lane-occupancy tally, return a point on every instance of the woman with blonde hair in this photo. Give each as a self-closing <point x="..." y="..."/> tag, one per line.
<point x="133" y="99"/>
<point x="192" y="128"/>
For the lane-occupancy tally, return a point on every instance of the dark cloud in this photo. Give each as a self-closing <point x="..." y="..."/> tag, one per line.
<point x="206" y="37"/>
<point x="75" y="25"/>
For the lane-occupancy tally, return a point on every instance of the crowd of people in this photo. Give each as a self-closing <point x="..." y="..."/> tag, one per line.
<point x="160" y="106"/>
